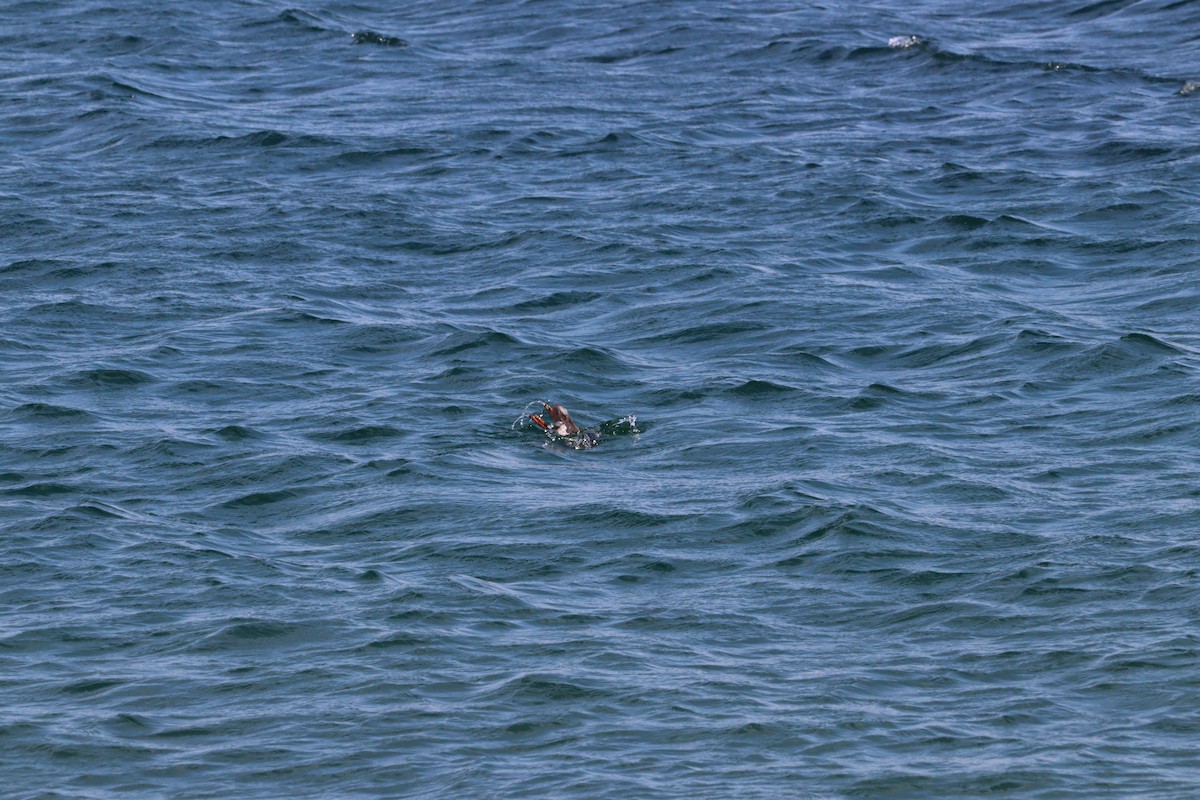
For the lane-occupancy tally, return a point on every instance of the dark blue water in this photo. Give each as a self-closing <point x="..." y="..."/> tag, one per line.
<point x="904" y="300"/>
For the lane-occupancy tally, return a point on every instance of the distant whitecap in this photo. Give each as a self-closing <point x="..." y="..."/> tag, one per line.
<point x="902" y="42"/>
<point x="1189" y="87"/>
<point x="371" y="37"/>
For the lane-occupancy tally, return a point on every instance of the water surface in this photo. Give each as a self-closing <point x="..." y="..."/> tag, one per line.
<point x="903" y="298"/>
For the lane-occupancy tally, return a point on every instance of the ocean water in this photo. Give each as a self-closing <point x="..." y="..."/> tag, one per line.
<point x="898" y="302"/>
